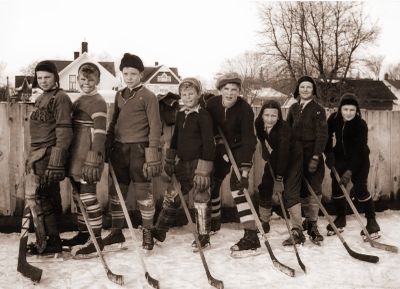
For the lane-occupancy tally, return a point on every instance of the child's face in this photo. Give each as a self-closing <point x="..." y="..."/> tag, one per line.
<point x="270" y="117"/>
<point x="348" y="111"/>
<point x="46" y="80"/>
<point x="230" y="92"/>
<point x="131" y="76"/>
<point x="87" y="82"/>
<point x="306" y="90"/>
<point x="189" y="97"/>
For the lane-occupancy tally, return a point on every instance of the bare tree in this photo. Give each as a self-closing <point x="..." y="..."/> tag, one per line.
<point x="29" y="70"/>
<point x="320" y="39"/>
<point x="393" y="71"/>
<point x="374" y="65"/>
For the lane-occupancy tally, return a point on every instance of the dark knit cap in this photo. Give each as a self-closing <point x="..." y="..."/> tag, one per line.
<point x="231" y="77"/>
<point x="349" y="98"/>
<point x="47" y="66"/>
<point x="191" y="81"/>
<point x="302" y="79"/>
<point x="131" y="60"/>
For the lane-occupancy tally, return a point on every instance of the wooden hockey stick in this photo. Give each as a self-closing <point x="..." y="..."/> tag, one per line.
<point x="303" y="267"/>
<point x="26" y="269"/>
<point x="359" y="256"/>
<point x="118" y="279"/>
<point x="153" y="282"/>
<point x="282" y="267"/>
<point x="373" y="243"/>
<point x="213" y="282"/>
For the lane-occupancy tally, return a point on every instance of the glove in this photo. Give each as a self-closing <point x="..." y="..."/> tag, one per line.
<point x="221" y="151"/>
<point x="92" y="167"/>
<point x="152" y="167"/>
<point x="169" y="166"/>
<point x="55" y="171"/>
<point x="109" y="146"/>
<point x="244" y="180"/>
<point x="346" y="177"/>
<point x="201" y="180"/>
<point x="330" y="160"/>
<point x="313" y="165"/>
<point x="278" y="185"/>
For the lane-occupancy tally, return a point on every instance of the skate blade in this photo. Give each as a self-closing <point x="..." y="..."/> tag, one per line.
<point x="213" y="233"/>
<point x="147" y="252"/>
<point x="195" y="249"/>
<point x="373" y="236"/>
<point x="245" y="253"/>
<point x="318" y="243"/>
<point x="47" y="258"/>
<point x="332" y="233"/>
<point x="115" y="247"/>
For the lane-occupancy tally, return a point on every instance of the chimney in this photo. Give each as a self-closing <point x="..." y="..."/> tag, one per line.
<point x="76" y="54"/>
<point x="156" y="63"/>
<point x="84" y="47"/>
<point x="386" y="76"/>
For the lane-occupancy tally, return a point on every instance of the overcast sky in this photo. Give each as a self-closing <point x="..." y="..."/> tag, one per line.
<point x="194" y="36"/>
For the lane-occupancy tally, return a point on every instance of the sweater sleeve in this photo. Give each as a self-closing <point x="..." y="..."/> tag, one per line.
<point x="98" y="112"/>
<point x="329" y="144"/>
<point x="62" y="113"/>
<point x="284" y="144"/>
<point x="321" y="131"/>
<point x="248" y="137"/>
<point x="207" y="136"/>
<point x="153" y="116"/>
<point x="174" y="138"/>
<point x="111" y="126"/>
<point x="360" y="148"/>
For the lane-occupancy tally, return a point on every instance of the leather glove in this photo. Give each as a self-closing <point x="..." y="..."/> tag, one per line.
<point x="201" y="180"/>
<point x="345" y="178"/>
<point x="55" y="171"/>
<point x="244" y="180"/>
<point x="330" y="160"/>
<point x="169" y="166"/>
<point x="92" y="167"/>
<point x="152" y="167"/>
<point x="313" y="165"/>
<point x="278" y="185"/>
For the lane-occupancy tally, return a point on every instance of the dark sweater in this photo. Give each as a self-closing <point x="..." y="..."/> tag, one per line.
<point x="237" y="124"/>
<point x="351" y="140"/>
<point x="309" y="126"/>
<point x="193" y="136"/>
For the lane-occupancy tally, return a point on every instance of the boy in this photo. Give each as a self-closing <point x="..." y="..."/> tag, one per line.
<point x="89" y="114"/>
<point x="350" y="156"/>
<point x="235" y="117"/>
<point x="284" y="156"/>
<point x="308" y="120"/>
<point x="133" y="140"/>
<point x="193" y="142"/>
<point x="51" y="134"/>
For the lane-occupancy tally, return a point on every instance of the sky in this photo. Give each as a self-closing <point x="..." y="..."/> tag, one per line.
<point x="194" y="36"/>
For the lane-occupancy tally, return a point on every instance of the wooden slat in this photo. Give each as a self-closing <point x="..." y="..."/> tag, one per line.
<point x="5" y="185"/>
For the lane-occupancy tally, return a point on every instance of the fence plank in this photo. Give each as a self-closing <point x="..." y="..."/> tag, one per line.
<point x="5" y="186"/>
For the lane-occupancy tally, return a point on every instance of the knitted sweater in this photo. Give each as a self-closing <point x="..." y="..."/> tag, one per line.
<point x="193" y="136"/>
<point x="136" y="117"/>
<point x="50" y="121"/>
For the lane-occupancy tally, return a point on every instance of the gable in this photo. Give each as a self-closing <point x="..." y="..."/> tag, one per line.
<point x="163" y="75"/>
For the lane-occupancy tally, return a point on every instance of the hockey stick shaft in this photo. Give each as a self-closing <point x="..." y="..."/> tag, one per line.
<point x="118" y="279"/>
<point x="373" y="243"/>
<point x="214" y="282"/>
<point x="282" y="267"/>
<point x="359" y="256"/>
<point x="26" y="269"/>
<point x="303" y="267"/>
<point x="153" y="282"/>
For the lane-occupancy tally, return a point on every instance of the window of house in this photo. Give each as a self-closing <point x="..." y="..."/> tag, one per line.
<point x="72" y="82"/>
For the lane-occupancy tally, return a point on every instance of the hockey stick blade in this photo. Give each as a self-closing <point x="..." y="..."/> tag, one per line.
<point x="27" y="270"/>
<point x="211" y="280"/>
<point x="282" y="267"/>
<point x="373" y="243"/>
<point x="152" y="282"/>
<point x="359" y="256"/>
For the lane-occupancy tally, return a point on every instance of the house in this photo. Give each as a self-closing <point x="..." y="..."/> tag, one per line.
<point x="394" y="86"/>
<point x="259" y="96"/>
<point x="161" y="79"/>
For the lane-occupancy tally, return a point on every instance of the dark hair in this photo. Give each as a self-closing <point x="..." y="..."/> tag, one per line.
<point x="259" y="122"/>
<point x="89" y="68"/>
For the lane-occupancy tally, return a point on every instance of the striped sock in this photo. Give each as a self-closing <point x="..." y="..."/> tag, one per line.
<point x="93" y="210"/>
<point x="147" y="210"/>
<point x="243" y="208"/>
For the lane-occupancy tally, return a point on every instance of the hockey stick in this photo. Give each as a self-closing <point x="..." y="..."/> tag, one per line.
<point x="303" y="267"/>
<point x="118" y="279"/>
<point x="211" y="280"/>
<point x="26" y="269"/>
<point x="373" y="243"/>
<point x="282" y="267"/>
<point x="153" y="282"/>
<point x="359" y="256"/>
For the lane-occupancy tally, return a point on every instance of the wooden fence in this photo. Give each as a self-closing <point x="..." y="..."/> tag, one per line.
<point x="383" y="182"/>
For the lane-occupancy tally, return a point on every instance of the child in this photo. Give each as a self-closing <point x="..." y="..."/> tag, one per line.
<point x="308" y="121"/>
<point x="89" y="114"/>
<point x="235" y="117"/>
<point x="51" y="134"/>
<point x="350" y="157"/>
<point x="284" y="155"/>
<point x="133" y="141"/>
<point x="193" y="143"/>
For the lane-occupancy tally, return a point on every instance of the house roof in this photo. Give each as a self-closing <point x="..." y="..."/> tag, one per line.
<point x="395" y="83"/>
<point x="149" y="72"/>
<point x="19" y="80"/>
<point x="61" y="64"/>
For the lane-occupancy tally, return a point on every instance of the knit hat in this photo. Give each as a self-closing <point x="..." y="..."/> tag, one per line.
<point x="231" y="77"/>
<point x="191" y="81"/>
<point x="131" y="60"/>
<point x="259" y="122"/>
<point x="349" y="98"/>
<point x="89" y="67"/>
<point x="302" y="79"/>
<point x="47" y="66"/>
